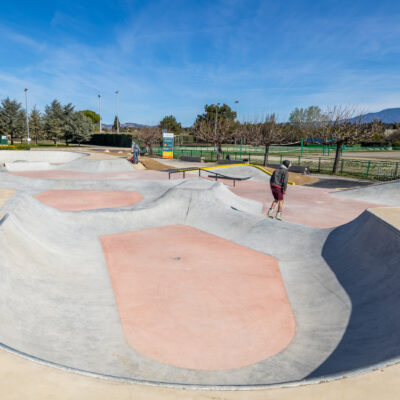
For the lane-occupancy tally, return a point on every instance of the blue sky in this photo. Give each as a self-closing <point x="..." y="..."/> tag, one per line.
<point x="173" y="57"/>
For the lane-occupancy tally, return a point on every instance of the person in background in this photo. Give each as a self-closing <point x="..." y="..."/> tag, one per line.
<point x="136" y="153"/>
<point x="278" y="184"/>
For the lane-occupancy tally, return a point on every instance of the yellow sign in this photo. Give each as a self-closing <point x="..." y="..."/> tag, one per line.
<point x="168" y="145"/>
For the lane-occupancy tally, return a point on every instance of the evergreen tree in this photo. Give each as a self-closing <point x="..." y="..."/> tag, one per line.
<point x="116" y="124"/>
<point x="170" y="123"/>
<point x="94" y="117"/>
<point x="53" y="121"/>
<point x="12" y="119"/>
<point x="36" y="125"/>
<point x="224" y="112"/>
<point x="68" y="123"/>
<point x="83" y="128"/>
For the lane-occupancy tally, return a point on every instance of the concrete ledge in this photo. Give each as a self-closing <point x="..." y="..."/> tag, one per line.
<point x="298" y="169"/>
<point x="228" y="162"/>
<point x="191" y="159"/>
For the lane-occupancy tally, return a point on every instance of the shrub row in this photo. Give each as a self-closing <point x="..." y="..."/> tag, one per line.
<point x="21" y="146"/>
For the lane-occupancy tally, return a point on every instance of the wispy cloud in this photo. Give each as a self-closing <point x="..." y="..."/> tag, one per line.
<point x="168" y="57"/>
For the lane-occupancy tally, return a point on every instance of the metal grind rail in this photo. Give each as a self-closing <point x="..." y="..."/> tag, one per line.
<point x="215" y="175"/>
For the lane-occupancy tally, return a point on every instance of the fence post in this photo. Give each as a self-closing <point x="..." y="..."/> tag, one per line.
<point x="369" y="164"/>
<point x="341" y="166"/>
<point x="301" y="147"/>
<point x="299" y="160"/>
<point x="280" y="161"/>
<point x="396" y="170"/>
<point x="319" y="164"/>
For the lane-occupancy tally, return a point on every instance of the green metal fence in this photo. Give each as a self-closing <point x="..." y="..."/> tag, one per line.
<point x="379" y="170"/>
<point x="297" y="150"/>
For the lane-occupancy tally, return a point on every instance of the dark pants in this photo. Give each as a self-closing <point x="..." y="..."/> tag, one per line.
<point x="277" y="193"/>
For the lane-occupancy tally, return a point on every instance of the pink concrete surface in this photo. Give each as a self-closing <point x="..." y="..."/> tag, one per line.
<point x="76" y="175"/>
<point x="191" y="299"/>
<point x="306" y="205"/>
<point x="77" y="200"/>
<point x="303" y="205"/>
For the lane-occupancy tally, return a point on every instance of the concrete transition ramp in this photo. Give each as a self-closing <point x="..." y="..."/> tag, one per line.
<point x="383" y="193"/>
<point x="110" y="291"/>
<point x="56" y="157"/>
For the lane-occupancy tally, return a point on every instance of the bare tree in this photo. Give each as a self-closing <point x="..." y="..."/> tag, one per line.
<point x="150" y="136"/>
<point x="218" y="134"/>
<point x="345" y="126"/>
<point x="264" y="133"/>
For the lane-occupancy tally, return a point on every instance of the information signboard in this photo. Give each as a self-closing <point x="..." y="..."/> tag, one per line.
<point x="168" y="145"/>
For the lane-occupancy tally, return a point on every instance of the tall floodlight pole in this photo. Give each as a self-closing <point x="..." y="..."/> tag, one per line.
<point x="27" y="116"/>
<point x="99" y="96"/>
<point x="116" y="108"/>
<point x="236" y="106"/>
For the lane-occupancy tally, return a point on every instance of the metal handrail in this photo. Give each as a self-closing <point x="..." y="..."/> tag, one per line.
<point x="216" y="174"/>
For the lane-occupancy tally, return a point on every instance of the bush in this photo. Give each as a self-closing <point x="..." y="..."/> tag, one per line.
<point x="396" y="144"/>
<point x="21" y="146"/>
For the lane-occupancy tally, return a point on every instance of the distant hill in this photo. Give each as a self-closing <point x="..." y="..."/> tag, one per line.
<point x="387" y="116"/>
<point x="126" y="125"/>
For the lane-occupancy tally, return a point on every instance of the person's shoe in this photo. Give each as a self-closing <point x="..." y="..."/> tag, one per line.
<point x="279" y="216"/>
<point x="269" y="213"/>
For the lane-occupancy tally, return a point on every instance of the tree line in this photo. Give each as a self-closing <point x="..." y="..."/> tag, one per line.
<point x="217" y="125"/>
<point x="339" y="125"/>
<point x="57" y="123"/>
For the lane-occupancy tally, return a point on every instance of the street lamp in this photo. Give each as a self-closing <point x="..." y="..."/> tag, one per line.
<point x="27" y="116"/>
<point x="236" y="102"/>
<point x="116" y="107"/>
<point x="99" y="96"/>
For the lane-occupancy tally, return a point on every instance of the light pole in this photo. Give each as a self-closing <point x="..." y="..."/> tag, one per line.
<point x="99" y="96"/>
<point x="237" y="106"/>
<point x="27" y="116"/>
<point x="116" y="107"/>
<point x="215" y="126"/>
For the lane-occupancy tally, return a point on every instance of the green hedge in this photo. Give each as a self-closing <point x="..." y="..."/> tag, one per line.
<point x="111" y="139"/>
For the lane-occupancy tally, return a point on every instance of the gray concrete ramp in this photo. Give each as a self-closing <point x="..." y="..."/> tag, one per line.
<point x="58" y="303"/>
<point x="383" y="193"/>
<point x="364" y="256"/>
<point x="55" y="157"/>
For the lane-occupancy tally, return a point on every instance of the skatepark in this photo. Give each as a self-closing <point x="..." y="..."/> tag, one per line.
<point x="129" y="276"/>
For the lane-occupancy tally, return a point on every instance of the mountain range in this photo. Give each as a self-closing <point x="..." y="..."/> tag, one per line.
<point x="387" y="116"/>
<point x="126" y="125"/>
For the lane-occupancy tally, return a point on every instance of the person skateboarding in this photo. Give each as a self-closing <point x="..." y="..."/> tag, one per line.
<point x="278" y="184"/>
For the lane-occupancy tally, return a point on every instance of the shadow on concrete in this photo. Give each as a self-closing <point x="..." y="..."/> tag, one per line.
<point x="364" y="255"/>
<point x="339" y="183"/>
